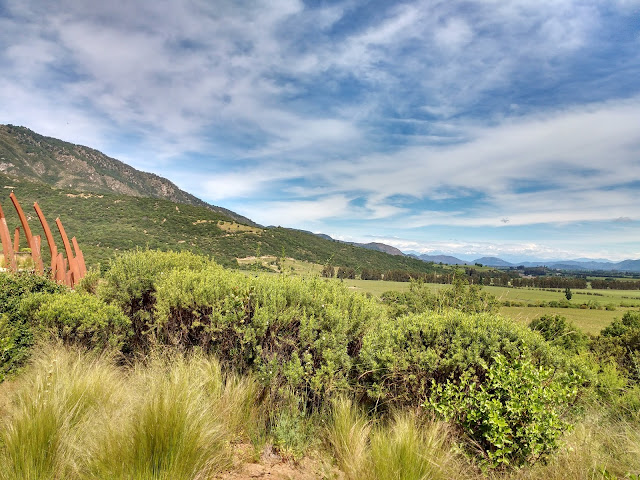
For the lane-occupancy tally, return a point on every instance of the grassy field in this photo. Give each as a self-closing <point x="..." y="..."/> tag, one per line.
<point x="589" y="320"/>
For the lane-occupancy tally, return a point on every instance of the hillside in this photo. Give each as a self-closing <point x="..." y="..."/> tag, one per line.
<point x="26" y="154"/>
<point x="106" y="223"/>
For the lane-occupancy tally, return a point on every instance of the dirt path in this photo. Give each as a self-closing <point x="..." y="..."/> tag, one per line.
<point x="273" y="467"/>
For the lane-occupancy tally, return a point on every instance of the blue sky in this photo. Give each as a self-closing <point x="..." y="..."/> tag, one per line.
<point x="486" y="127"/>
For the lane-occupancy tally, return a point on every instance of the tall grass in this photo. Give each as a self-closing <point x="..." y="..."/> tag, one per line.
<point x="81" y="417"/>
<point x="348" y="438"/>
<point x="410" y="451"/>
<point x="597" y="448"/>
<point x="405" y="448"/>
<point x="42" y="431"/>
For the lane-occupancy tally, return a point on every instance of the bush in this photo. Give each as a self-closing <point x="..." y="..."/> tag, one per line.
<point x="300" y="333"/>
<point x="400" y="358"/>
<point x="16" y="334"/>
<point x="558" y="331"/>
<point x="620" y="343"/>
<point x="78" y="318"/>
<point x="512" y="417"/>
<point x="131" y="278"/>
<point x="460" y="296"/>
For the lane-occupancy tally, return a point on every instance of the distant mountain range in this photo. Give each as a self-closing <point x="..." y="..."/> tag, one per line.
<point x="572" y="265"/>
<point x="582" y="264"/>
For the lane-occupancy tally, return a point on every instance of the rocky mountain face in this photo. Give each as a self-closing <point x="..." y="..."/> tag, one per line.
<point x="26" y="154"/>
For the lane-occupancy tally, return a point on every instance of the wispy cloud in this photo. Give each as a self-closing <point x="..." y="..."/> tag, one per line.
<point x="404" y="115"/>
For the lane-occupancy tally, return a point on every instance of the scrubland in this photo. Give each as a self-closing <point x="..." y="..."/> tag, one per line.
<point x="167" y="365"/>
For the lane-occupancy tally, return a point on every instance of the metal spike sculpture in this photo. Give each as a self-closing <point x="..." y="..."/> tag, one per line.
<point x="59" y="272"/>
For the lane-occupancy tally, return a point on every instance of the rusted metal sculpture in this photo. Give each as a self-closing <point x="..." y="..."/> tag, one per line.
<point x="68" y="270"/>
<point x="7" y="250"/>
<point x="35" y="253"/>
<point x="47" y="233"/>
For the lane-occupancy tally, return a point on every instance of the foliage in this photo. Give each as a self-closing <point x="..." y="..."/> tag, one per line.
<point x="558" y="331"/>
<point x="460" y="296"/>
<point x="301" y="333"/>
<point x="328" y="271"/>
<point x="620" y="343"/>
<point x="512" y="415"/>
<point x="368" y="274"/>
<point x="401" y="358"/>
<point x="568" y="294"/>
<point x="346" y="272"/>
<point x="130" y="283"/>
<point x="16" y="333"/>
<point x="78" y="318"/>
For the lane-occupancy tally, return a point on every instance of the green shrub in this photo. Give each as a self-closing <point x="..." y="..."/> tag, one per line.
<point x="401" y="357"/>
<point x="620" y="343"/>
<point x="78" y="318"/>
<point x="558" y="331"/>
<point x="16" y="334"/>
<point x="460" y="296"/>
<point x="301" y="333"/>
<point x="130" y="282"/>
<point x="513" y="416"/>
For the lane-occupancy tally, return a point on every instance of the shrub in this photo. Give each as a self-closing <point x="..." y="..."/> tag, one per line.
<point x="620" y="342"/>
<point x="346" y="272"/>
<point x="400" y="358"/>
<point x="301" y="333"/>
<point x="130" y="282"/>
<point x="460" y="296"/>
<point x="558" y="331"/>
<point x="78" y="318"/>
<point x="513" y="416"/>
<point x="16" y="334"/>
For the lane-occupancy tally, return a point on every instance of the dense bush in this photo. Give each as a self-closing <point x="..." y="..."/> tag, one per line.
<point x="301" y="333"/>
<point x="78" y="318"/>
<point x="16" y="334"/>
<point x="512" y="417"/>
<point x="558" y="331"/>
<point x="400" y="358"/>
<point x="131" y="278"/>
<point x="620" y="343"/>
<point x="420" y="298"/>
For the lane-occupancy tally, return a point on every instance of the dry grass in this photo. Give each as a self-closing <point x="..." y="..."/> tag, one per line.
<point x="77" y="416"/>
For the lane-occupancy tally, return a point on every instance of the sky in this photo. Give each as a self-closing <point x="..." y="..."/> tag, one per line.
<point x="505" y="128"/>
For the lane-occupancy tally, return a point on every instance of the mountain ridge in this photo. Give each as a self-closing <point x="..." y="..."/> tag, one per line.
<point x="27" y="154"/>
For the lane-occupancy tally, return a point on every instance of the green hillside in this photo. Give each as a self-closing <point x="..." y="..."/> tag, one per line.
<point x="27" y="154"/>
<point x="107" y="223"/>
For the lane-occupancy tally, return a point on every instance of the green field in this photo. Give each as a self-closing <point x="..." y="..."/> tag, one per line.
<point x="589" y="320"/>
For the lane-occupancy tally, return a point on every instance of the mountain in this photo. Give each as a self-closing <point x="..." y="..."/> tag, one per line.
<point x="26" y="154"/>
<point x="446" y="259"/>
<point x="380" y="247"/>
<point x="628" y="266"/>
<point x="493" y="262"/>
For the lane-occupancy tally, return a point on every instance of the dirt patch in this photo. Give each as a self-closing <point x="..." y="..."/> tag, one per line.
<point x="233" y="227"/>
<point x="273" y="467"/>
<point x="84" y="195"/>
